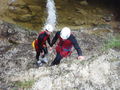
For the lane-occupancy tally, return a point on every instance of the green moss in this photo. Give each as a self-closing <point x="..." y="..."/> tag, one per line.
<point x="114" y="59"/>
<point x="113" y="43"/>
<point x="24" y="84"/>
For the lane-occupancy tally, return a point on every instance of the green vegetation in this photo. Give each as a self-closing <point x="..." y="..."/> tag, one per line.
<point x="114" y="59"/>
<point x="24" y="84"/>
<point x="113" y="43"/>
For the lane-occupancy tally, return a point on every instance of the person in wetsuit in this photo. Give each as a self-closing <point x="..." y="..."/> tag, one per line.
<point x="40" y="45"/>
<point x="65" y="44"/>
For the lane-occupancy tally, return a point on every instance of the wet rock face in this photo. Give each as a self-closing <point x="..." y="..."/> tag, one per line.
<point x="100" y="70"/>
<point x="32" y="13"/>
<point x="10" y="37"/>
<point x="95" y="75"/>
<point x="15" y="43"/>
<point x="5" y="30"/>
<point x="13" y="34"/>
<point x="23" y="11"/>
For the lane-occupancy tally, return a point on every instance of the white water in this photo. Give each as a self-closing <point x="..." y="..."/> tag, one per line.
<point x="51" y="10"/>
<point x="11" y="1"/>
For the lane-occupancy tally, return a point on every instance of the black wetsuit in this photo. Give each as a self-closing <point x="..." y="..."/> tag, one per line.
<point x="74" y="43"/>
<point x="41" y="44"/>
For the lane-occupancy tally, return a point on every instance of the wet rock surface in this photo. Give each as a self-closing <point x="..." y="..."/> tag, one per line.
<point x="32" y="13"/>
<point x="93" y="22"/>
<point x="100" y="69"/>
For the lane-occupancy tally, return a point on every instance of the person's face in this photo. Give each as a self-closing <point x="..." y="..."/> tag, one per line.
<point x="64" y="39"/>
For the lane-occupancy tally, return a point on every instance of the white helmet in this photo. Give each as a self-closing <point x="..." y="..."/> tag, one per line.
<point x="65" y="33"/>
<point x="49" y="28"/>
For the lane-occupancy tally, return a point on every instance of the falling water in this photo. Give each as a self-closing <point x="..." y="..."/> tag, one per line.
<point x="51" y="19"/>
<point x="11" y="1"/>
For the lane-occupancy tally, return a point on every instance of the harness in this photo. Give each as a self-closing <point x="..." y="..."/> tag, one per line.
<point x="44" y="39"/>
<point x="64" y="47"/>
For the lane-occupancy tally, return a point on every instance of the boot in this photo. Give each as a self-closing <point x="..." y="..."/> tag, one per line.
<point x="44" y="60"/>
<point x="39" y="63"/>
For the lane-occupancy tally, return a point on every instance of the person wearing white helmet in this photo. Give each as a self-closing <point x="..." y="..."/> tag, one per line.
<point x="65" y="44"/>
<point x="65" y="33"/>
<point x="40" y="44"/>
<point x="48" y="27"/>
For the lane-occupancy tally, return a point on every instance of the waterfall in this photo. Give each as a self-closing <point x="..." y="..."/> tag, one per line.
<point x="51" y="10"/>
<point x="11" y="1"/>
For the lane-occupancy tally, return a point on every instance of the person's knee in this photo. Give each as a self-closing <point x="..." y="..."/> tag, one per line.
<point x="59" y="57"/>
<point x="57" y="60"/>
<point x="55" y="63"/>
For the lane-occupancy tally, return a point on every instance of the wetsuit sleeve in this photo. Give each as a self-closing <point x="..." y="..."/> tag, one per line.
<point x="48" y="40"/>
<point x="76" y="45"/>
<point x="55" y="38"/>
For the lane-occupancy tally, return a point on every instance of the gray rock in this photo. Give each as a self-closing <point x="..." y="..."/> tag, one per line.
<point x="84" y="2"/>
<point x="108" y="18"/>
<point x="97" y="71"/>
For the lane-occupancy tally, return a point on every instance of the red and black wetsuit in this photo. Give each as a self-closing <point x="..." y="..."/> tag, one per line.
<point x="64" y="47"/>
<point x="40" y="44"/>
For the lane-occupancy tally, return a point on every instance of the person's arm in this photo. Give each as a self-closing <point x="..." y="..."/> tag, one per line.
<point x="76" y="46"/>
<point x="55" y="38"/>
<point x="48" y="40"/>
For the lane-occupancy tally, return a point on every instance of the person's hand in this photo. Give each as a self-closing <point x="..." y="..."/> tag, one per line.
<point x="42" y="53"/>
<point x="81" y="57"/>
<point x="51" y="48"/>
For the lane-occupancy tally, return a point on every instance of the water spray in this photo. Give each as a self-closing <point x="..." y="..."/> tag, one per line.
<point x="51" y="10"/>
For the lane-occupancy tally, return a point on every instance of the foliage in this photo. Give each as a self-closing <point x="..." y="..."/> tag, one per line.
<point x="113" y="43"/>
<point x="24" y="84"/>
